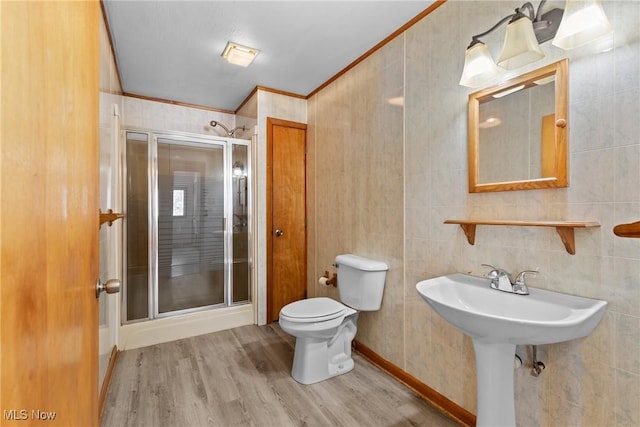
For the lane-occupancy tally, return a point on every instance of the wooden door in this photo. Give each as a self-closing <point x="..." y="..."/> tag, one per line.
<point x="49" y="213"/>
<point x="286" y="214"/>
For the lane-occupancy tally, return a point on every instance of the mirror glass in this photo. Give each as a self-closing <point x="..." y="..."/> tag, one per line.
<point x="518" y="132"/>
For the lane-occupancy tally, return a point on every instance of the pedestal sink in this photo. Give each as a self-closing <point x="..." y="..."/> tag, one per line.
<point x="498" y="321"/>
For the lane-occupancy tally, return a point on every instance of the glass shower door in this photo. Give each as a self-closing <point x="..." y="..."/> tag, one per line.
<point x="188" y="234"/>
<point x="190" y="226"/>
<point x="241" y="210"/>
<point x="136" y="289"/>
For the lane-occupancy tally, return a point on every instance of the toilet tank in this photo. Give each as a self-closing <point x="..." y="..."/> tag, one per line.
<point x="361" y="281"/>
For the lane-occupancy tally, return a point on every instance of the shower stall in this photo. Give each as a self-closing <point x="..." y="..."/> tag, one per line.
<point x="187" y="228"/>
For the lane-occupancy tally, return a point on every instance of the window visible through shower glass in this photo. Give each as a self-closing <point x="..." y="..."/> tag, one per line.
<point x="191" y="241"/>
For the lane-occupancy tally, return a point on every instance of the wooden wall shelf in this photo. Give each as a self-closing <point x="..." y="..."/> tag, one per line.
<point x="627" y="230"/>
<point x="564" y="228"/>
<point x="109" y="217"/>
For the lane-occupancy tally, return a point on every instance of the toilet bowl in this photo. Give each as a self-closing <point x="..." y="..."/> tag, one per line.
<point x="324" y="327"/>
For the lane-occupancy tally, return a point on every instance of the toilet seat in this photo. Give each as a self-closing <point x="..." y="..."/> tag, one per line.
<point x="313" y="310"/>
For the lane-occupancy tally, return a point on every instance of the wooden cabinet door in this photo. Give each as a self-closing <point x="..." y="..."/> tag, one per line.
<point x="286" y="211"/>
<point x="49" y="213"/>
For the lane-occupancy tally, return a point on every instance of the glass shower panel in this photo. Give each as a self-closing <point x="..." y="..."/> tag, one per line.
<point x="190" y="227"/>
<point x="239" y="182"/>
<point x="137" y="222"/>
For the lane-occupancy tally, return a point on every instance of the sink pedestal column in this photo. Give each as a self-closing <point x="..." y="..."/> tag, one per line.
<point x="494" y="370"/>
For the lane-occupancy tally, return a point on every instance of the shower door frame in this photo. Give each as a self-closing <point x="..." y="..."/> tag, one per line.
<point x="193" y="140"/>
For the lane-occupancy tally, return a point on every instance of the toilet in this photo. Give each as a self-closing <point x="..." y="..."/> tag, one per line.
<point x="324" y="327"/>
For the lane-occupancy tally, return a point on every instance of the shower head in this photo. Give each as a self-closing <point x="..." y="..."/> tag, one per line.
<point x="213" y="124"/>
<point x="231" y="132"/>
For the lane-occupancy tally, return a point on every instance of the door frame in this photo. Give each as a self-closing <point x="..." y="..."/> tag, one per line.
<point x="271" y="122"/>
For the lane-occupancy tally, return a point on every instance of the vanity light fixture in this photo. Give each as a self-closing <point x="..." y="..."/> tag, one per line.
<point x="479" y="67"/>
<point x="520" y="44"/>
<point x="237" y="54"/>
<point x="581" y="22"/>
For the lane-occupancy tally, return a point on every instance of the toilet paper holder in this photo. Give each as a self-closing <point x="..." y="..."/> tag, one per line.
<point x="331" y="280"/>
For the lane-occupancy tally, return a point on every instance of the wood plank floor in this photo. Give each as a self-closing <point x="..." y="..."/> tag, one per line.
<point x="241" y="377"/>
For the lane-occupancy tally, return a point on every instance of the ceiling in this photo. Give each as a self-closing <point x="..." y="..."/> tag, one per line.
<point x="171" y="50"/>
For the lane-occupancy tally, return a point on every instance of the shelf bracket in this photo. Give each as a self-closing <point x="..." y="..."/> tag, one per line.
<point x="567" y="237"/>
<point x="470" y="232"/>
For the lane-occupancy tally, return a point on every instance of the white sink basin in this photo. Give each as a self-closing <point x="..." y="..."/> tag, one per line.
<point x="542" y="317"/>
<point x="497" y="321"/>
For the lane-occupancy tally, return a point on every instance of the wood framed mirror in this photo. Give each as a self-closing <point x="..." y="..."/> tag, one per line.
<point x="518" y="132"/>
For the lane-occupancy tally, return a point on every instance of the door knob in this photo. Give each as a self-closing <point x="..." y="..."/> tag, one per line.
<point x="279" y="233"/>
<point x="111" y="287"/>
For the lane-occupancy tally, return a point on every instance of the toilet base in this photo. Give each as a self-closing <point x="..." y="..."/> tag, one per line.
<point x="311" y="366"/>
<point x="310" y="362"/>
<point x="317" y="360"/>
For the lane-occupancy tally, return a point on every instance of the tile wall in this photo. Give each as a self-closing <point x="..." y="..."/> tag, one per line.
<point x="110" y="92"/>
<point x="382" y="179"/>
<point x="355" y="180"/>
<point x="162" y="116"/>
<point x="278" y="106"/>
<point x="110" y="248"/>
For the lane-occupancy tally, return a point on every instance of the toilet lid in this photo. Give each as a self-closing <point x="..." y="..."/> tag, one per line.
<point x="314" y="308"/>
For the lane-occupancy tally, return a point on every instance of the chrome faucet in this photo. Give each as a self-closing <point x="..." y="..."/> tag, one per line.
<point x="501" y="280"/>
<point x="520" y="287"/>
